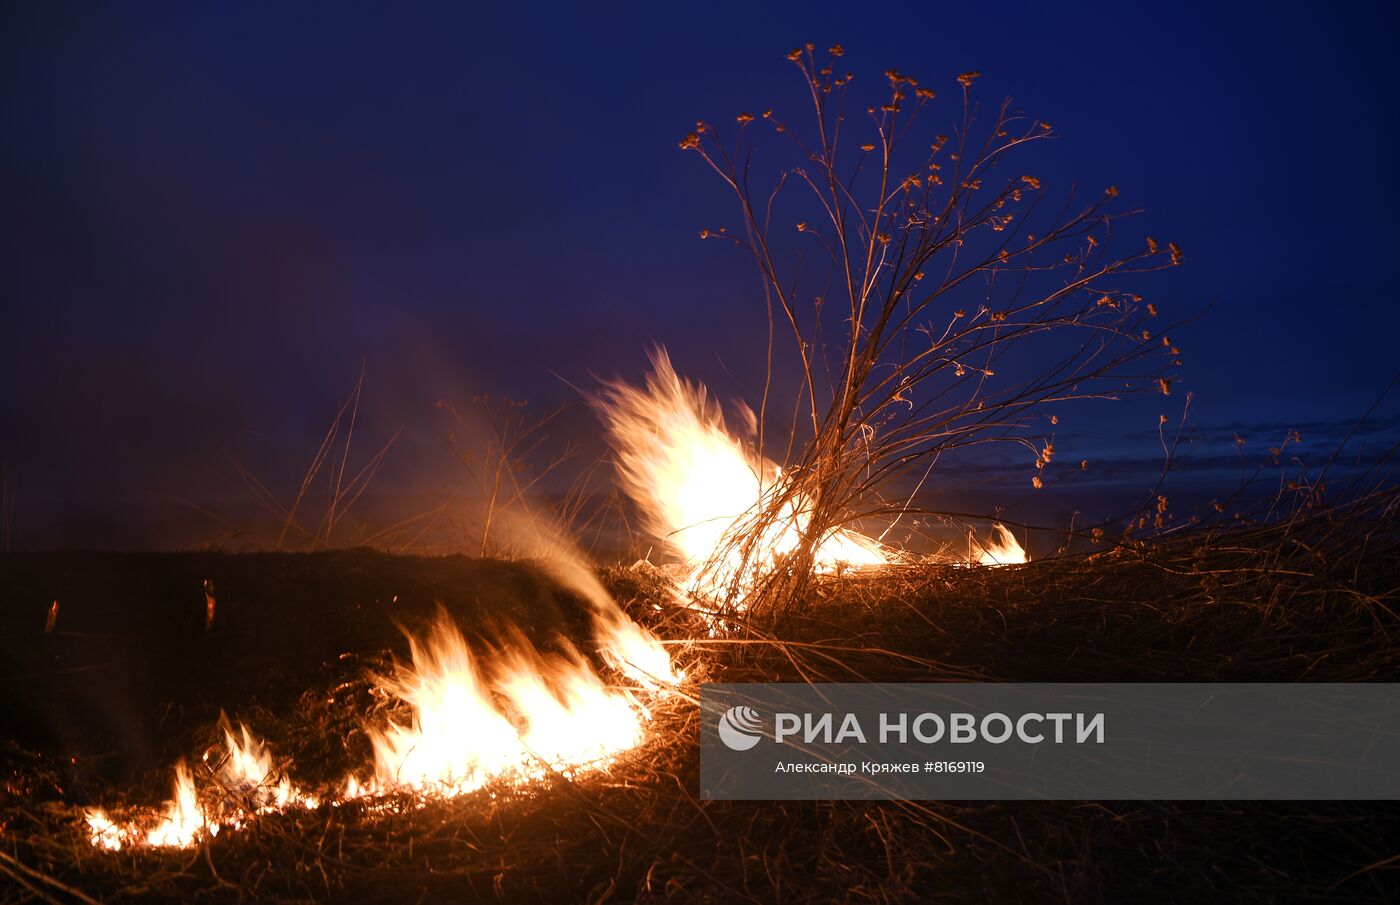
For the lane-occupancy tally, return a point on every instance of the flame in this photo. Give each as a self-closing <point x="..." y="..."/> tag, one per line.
<point x="1001" y="550"/>
<point x="635" y="652"/>
<point x="246" y="783"/>
<point x="183" y="819"/>
<point x="519" y="715"/>
<point x="532" y="713"/>
<point x="180" y="822"/>
<point x="103" y="832"/>
<point x="625" y="645"/>
<point x="248" y="771"/>
<point x="696" y="484"/>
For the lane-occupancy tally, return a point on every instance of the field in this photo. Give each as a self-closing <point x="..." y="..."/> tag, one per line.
<point x="129" y="679"/>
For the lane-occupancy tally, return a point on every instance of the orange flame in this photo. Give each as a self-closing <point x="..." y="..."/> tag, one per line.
<point x="183" y="819"/>
<point x="531" y="714"/>
<point x="696" y="485"/>
<point x="179" y="824"/>
<point x="525" y="716"/>
<point x="635" y="652"/>
<point x="103" y="832"/>
<point x="248" y="771"/>
<point x="1002" y="550"/>
<point x="247" y="778"/>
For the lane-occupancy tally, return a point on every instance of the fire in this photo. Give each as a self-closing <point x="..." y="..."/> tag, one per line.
<point x="244" y="783"/>
<point x="624" y="645"/>
<point x="1002" y="550"/>
<point x="520" y="715"/>
<point x="103" y="832"/>
<point x="183" y="818"/>
<point x="517" y="714"/>
<point x="635" y="652"/>
<point x="248" y="771"/>
<point x="698" y="485"/>
<point x="180" y="822"/>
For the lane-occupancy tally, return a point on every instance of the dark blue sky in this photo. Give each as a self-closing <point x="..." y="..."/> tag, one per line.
<point x="212" y="215"/>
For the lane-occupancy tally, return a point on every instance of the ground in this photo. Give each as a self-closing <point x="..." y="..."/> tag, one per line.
<point x="129" y="679"/>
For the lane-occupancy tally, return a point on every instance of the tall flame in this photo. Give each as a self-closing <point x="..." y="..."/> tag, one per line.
<point x="1001" y="550"/>
<point x="697" y="485"/>
<point x="183" y="819"/>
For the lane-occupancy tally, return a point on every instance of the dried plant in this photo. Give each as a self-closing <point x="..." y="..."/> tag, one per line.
<point x="502" y="447"/>
<point x="317" y="516"/>
<point x="954" y="302"/>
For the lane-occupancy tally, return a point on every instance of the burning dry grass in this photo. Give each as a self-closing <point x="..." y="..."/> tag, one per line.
<point x="1309" y="600"/>
<point x="709" y="495"/>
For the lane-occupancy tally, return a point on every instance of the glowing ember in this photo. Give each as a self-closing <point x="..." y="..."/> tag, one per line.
<point x="531" y="713"/>
<point x="696" y="484"/>
<point x="1001" y="550"/>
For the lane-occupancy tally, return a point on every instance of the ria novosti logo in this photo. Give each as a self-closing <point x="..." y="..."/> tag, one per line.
<point x="740" y="728"/>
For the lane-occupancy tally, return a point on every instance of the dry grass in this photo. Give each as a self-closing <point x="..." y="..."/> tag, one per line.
<point x="1309" y="600"/>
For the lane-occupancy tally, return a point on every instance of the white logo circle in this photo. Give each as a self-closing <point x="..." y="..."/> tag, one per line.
<point x="739" y="728"/>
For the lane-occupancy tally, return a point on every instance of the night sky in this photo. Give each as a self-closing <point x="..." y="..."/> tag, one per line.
<point x="214" y="216"/>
